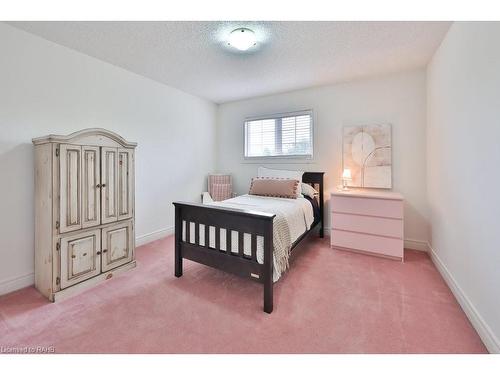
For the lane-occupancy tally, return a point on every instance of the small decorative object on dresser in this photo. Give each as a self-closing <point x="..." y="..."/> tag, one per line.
<point x="84" y="210"/>
<point x="368" y="221"/>
<point x="346" y="177"/>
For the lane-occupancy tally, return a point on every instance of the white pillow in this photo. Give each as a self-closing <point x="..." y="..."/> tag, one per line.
<point x="309" y="190"/>
<point x="281" y="173"/>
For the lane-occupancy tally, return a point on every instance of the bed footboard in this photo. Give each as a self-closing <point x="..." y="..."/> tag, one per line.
<point x="198" y="231"/>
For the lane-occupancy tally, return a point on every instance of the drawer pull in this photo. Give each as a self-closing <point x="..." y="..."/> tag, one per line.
<point x="98" y="253"/>
<point x="73" y="256"/>
<point x="84" y="254"/>
<point x="105" y="251"/>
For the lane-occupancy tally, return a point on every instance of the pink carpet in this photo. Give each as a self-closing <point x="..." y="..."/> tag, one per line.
<point x="329" y="302"/>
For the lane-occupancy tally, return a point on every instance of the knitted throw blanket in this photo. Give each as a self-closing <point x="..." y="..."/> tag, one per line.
<point x="289" y="223"/>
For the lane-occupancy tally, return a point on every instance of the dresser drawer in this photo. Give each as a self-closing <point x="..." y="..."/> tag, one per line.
<point x="366" y="242"/>
<point x="368" y="224"/>
<point x="367" y="206"/>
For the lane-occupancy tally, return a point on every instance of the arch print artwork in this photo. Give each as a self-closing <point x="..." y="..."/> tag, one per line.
<point x="367" y="152"/>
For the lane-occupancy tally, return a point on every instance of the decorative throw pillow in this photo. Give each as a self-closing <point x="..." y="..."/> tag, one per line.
<point x="309" y="190"/>
<point x="274" y="187"/>
<point x="281" y="173"/>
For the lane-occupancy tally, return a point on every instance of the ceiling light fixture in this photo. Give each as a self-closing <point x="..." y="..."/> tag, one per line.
<point x="242" y="39"/>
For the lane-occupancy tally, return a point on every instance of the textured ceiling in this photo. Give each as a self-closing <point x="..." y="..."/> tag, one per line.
<point x="194" y="57"/>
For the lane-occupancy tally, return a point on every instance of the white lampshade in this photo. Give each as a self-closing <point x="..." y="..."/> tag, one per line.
<point x="346" y="175"/>
<point x="242" y="39"/>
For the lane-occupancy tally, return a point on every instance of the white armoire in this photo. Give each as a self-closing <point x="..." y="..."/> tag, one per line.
<point x="84" y="210"/>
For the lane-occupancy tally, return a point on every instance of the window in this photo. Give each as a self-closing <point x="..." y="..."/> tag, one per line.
<point x="289" y="134"/>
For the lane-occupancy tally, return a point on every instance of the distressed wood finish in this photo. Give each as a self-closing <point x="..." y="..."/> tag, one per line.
<point x="43" y="224"/>
<point x="68" y="292"/>
<point x="243" y="222"/>
<point x="125" y="183"/>
<point x="117" y="245"/>
<point x="90" y="136"/>
<point x="80" y="257"/>
<point x="91" y="194"/>
<point x="109" y="186"/>
<point x="71" y="224"/>
<point x="70" y="187"/>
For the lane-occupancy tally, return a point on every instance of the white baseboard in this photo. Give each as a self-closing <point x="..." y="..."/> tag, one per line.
<point x="19" y="282"/>
<point x="417" y="245"/>
<point x="153" y="236"/>
<point x="490" y="340"/>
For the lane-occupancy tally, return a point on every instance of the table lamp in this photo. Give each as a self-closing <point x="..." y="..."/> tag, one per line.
<point x="346" y="177"/>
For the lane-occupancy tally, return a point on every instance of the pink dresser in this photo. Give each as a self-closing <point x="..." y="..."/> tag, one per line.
<point x="368" y="221"/>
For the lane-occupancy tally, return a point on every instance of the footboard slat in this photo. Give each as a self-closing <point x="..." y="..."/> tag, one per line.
<point x="254" y="247"/>
<point x="217" y="238"/>
<point x="241" y="237"/>
<point x="188" y="231"/>
<point x="207" y="236"/>
<point x="229" y="241"/>
<point x="197" y="233"/>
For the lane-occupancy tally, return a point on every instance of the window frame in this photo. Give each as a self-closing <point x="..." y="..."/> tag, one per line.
<point x="280" y="116"/>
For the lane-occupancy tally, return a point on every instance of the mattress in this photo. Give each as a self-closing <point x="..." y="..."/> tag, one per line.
<point x="297" y="213"/>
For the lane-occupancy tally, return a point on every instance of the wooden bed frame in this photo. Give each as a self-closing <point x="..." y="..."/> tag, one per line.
<point x="242" y="221"/>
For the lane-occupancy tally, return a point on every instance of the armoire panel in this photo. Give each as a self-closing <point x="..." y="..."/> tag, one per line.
<point x="117" y="245"/>
<point x="109" y="187"/>
<point x="70" y="188"/>
<point x="125" y="183"/>
<point x="80" y="257"/>
<point x="91" y="176"/>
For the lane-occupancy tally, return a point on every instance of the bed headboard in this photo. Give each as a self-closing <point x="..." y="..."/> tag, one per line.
<point x="315" y="179"/>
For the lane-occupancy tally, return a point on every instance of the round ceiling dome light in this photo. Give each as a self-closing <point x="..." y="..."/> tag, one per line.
<point x="242" y="39"/>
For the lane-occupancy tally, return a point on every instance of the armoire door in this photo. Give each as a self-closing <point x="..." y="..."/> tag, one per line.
<point x="125" y="183"/>
<point x="91" y="183"/>
<point x="80" y="257"/>
<point x="70" y="169"/>
<point x="109" y="187"/>
<point x="117" y="245"/>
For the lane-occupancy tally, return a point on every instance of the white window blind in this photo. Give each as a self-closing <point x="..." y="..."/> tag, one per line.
<point x="289" y="134"/>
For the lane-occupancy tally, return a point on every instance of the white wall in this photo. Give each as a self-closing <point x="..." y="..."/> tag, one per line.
<point x="46" y="88"/>
<point x="463" y="143"/>
<point x="397" y="99"/>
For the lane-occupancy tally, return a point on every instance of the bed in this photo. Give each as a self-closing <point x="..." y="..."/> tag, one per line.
<point x="261" y="233"/>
